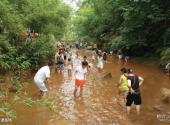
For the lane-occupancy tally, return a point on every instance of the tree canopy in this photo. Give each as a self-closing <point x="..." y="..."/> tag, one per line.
<point x="48" y="18"/>
<point x="139" y="27"/>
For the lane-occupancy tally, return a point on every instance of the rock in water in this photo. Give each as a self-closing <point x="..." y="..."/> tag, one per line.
<point x="107" y="75"/>
<point x="166" y="94"/>
<point x="159" y="107"/>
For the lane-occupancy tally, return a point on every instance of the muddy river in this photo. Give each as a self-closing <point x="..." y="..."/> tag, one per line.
<point x="98" y="105"/>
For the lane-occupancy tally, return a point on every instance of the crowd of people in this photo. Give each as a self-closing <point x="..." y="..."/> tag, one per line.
<point x="67" y="58"/>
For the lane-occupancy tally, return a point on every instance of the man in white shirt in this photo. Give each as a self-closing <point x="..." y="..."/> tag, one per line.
<point x="42" y="77"/>
<point x="80" y="77"/>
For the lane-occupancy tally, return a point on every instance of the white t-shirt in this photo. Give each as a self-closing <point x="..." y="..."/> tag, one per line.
<point x="43" y="73"/>
<point x="77" y="62"/>
<point x="80" y="73"/>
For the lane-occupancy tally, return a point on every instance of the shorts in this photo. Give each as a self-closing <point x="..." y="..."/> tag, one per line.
<point x="136" y="98"/>
<point x="60" y="66"/>
<point x="41" y="85"/>
<point x="79" y="83"/>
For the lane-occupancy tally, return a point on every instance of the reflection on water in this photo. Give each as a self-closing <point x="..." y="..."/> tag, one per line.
<point x="98" y="105"/>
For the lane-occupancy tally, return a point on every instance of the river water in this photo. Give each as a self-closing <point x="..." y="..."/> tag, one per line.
<point x="98" y="105"/>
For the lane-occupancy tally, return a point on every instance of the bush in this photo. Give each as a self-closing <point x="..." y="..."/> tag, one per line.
<point x="165" y="56"/>
<point x="40" y="51"/>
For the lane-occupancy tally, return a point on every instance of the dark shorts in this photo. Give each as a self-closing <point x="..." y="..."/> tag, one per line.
<point x="136" y="98"/>
<point x="60" y="66"/>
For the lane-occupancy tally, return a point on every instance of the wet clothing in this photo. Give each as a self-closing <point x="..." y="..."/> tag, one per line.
<point x="123" y="84"/>
<point x="41" y="76"/>
<point x="79" y="83"/>
<point x="60" y="60"/>
<point x="80" y="73"/>
<point x="134" y="83"/>
<point x="135" y="96"/>
<point x="80" y="76"/>
<point x="77" y="62"/>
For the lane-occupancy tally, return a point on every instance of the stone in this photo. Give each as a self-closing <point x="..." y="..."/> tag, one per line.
<point x="107" y="75"/>
<point x="159" y="107"/>
<point x="165" y="94"/>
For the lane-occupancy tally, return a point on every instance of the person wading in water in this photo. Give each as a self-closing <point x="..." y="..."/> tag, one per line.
<point x="134" y="94"/>
<point x="42" y="77"/>
<point x="80" y="77"/>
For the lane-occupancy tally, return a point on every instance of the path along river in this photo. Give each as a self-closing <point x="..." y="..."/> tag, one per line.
<point x="98" y="106"/>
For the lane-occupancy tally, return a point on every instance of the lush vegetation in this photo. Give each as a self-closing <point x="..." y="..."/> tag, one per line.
<point x="18" y="17"/>
<point x="139" y="27"/>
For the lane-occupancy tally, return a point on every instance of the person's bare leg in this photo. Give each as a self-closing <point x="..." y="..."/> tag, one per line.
<point x="75" y="91"/>
<point x="138" y="109"/>
<point x="128" y="109"/>
<point x="81" y="90"/>
<point x="124" y="97"/>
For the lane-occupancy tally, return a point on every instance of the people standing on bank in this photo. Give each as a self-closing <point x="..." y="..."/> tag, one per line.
<point x="42" y="77"/>
<point x="134" y="94"/>
<point x="80" y="77"/>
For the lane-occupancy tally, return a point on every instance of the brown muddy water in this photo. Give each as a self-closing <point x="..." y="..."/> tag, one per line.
<point x="99" y="105"/>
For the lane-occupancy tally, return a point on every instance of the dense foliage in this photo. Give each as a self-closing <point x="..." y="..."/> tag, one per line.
<point x="48" y="18"/>
<point x="140" y="27"/>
